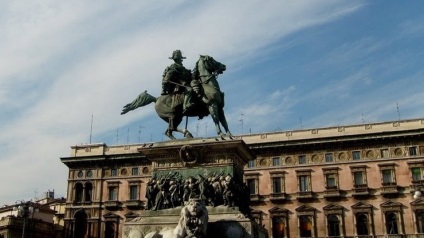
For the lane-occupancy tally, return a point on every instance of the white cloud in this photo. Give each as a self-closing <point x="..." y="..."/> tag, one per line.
<point x="64" y="61"/>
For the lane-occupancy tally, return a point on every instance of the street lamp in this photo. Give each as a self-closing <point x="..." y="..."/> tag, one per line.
<point x="25" y="210"/>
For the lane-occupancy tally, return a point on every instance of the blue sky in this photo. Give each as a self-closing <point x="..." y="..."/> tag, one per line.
<point x="290" y="65"/>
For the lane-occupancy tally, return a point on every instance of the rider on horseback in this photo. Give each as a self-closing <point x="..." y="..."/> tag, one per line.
<point x="176" y="79"/>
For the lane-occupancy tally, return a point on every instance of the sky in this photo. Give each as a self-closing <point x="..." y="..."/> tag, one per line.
<point x="68" y="67"/>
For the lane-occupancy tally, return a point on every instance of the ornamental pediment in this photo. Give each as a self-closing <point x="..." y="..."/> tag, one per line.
<point x="278" y="210"/>
<point x="360" y="205"/>
<point x="111" y="215"/>
<point x="418" y="204"/>
<point x="332" y="207"/>
<point x="391" y="206"/>
<point x="305" y="210"/>
<point x="131" y="215"/>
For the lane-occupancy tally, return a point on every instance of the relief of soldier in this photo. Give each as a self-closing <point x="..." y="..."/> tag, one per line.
<point x="172" y="191"/>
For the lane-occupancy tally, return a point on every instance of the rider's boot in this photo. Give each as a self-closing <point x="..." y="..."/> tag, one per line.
<point x="187" y="102"/>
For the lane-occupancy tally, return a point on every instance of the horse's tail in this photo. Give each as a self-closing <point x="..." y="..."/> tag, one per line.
<point x="142" y="100"/>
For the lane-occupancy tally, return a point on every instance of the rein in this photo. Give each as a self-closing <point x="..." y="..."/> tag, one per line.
<point x="207" y="79"/>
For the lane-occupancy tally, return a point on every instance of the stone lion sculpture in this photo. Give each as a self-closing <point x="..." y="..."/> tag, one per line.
<point x="193" y="220"/>
<point x="193" y="223"/>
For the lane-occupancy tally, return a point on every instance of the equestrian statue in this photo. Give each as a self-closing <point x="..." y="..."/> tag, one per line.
<point x="188" y="93"/>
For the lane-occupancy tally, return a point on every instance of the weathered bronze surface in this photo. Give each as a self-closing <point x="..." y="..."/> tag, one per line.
<point x="196" y="189"/>
<point x="190" y="94"/>
<point x="209" y="171"/>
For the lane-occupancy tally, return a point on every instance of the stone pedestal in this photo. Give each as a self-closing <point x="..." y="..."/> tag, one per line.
<point x="192" y="157"/>
<point x="224" y="222"/>
<point x="210" y="160"/>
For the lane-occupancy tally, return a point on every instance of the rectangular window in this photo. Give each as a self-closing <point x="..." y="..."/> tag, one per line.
<point x="303" y="183"/>
<point x="416" y="174"/>
<point x="113" y="172"/>
<point x="356" y="155"/>
<point x="251" y="183"/>
<point x="384" y="153"/>
<point x="134" y="171"/>
<point x="358" y="178"/>
<point x="330" y="181"/>
<point x="412" y="150"/>
<point x="276" y="185"/>
<point x="276" y="161"/>
<point x="387" y="175"/>
<point x="329" y="157"/>
<point x="251" y="164"/>
<point x="113" y="193"/>
<point x="133" y="192"/>
<point x="302" y="159"/>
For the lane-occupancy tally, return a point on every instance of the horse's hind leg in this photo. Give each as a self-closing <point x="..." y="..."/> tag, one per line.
<point x="213" y="110"/>
<point x="223" y="121"/>
<point x="186" y="133"/>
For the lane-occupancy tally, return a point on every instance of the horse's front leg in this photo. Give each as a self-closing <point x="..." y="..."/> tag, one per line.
<point x="213" y="110"/>
<point x="170" y="129"/>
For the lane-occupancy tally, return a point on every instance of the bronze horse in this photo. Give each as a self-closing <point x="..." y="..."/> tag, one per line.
<point x="209" y="101"/>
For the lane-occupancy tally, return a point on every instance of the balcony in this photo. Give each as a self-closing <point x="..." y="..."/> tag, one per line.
<point x="361" y="190"/>
<point x="417" y="185"/>
<point x="277" y="197"/>
<point x="134" y="203"/>
<point x="389" y="189"/>
<point x="332" y="192"/>
<point x="254" y="197"/>
<point x="304" y="195"/>
<point x="81" y="203"/>
<point x="112" y="204"/>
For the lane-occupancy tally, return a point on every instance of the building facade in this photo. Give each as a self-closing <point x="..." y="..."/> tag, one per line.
<point x="345" y="181"/>
<point x="37" y="219"/>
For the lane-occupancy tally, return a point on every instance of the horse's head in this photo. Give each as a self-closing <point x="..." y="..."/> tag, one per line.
<point x="212" y="65"/>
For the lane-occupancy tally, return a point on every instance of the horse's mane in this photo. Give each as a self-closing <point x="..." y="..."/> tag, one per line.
<point x="206" y="61"/>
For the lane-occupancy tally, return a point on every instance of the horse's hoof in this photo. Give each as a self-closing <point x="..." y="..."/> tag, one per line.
<point x="169" y="135"/>
<point x="188" y="135"/>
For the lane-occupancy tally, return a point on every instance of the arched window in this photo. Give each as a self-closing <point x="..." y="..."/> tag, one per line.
<point x="391" y="223"/>
<point x="78" y="192"/>
<point x="362" y="224"/>
<point x="305" y="228"/>
<point x="333" y="226"/>
<point x="88" y="192"/>
<point x="278" y="227"/>
<point x="110" y="229"/>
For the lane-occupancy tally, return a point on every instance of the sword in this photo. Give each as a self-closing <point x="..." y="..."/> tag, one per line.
<point x="177" y="84"/>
